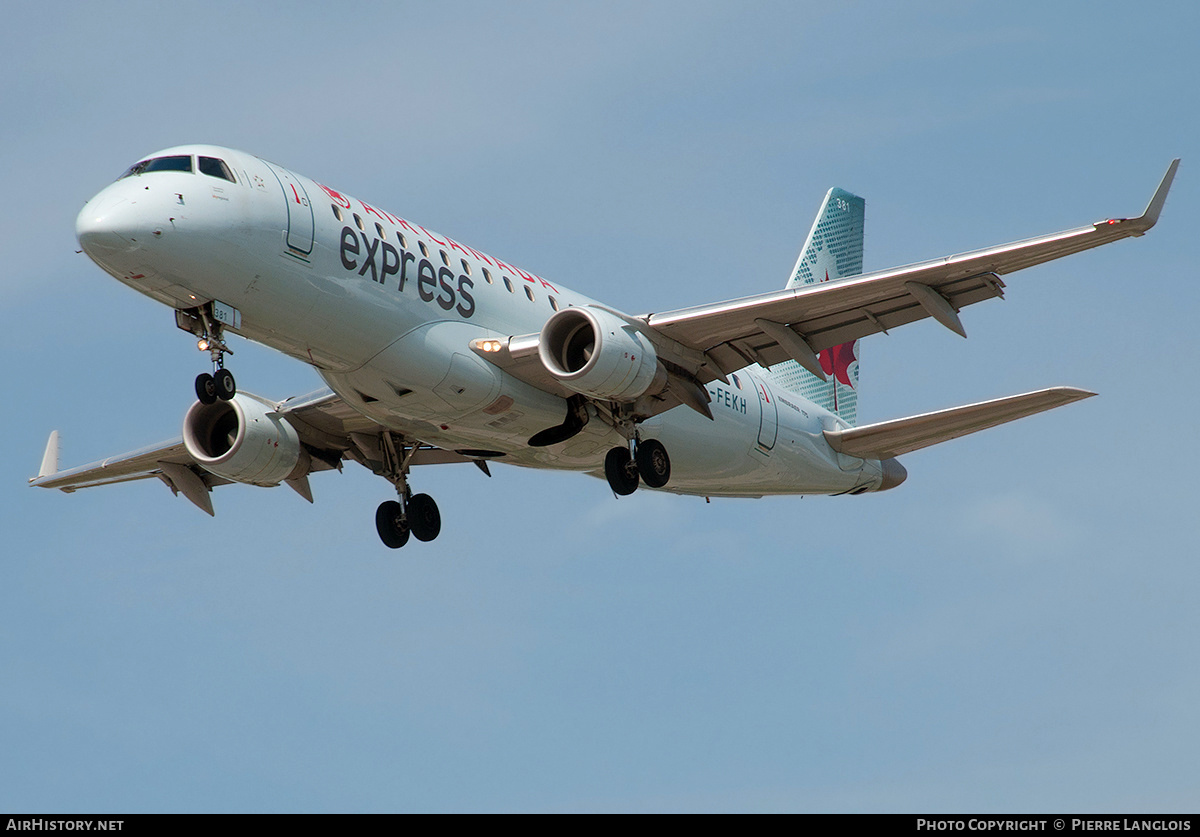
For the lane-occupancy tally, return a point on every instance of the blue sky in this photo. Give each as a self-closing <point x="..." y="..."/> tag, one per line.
<point x="1012" y="630"/>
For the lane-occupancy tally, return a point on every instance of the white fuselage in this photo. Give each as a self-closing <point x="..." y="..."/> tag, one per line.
<point x="385" y="311"/>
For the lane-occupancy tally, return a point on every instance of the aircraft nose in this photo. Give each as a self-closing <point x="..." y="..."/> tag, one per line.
<point x="107" y="225"/>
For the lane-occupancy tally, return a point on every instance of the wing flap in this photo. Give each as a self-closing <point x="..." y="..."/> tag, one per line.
<point x="899" y="436"/>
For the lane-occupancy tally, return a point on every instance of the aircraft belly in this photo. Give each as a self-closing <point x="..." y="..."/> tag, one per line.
<point x="426" y="383"/>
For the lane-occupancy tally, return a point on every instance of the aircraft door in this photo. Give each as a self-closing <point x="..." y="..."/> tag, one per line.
<point x="768" y="422"/>
<point x="299" y="209"/>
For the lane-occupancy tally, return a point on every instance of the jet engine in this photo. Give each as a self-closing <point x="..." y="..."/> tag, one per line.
<point x="598" y="354"/>
<point x="245" y="440"/>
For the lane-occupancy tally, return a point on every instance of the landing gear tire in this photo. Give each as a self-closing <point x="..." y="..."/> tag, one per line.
<point x="621" y="472"/>
<point x="653" y="463"/>
<point x="391" y="524"/>
<point x="206" y="388"/>
<point x="225" y="386"/>
<point x="423" y="517"/>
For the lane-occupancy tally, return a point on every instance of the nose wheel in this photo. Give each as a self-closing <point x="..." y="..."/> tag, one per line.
<point x="221" y="386"/>
<point x="649" y="464"/>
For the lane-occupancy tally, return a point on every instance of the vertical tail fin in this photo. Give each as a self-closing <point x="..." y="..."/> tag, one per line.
<point x="834" y="250"/>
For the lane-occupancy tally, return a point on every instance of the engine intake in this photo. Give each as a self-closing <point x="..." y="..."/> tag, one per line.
<point x="598" y="354"/>
<point x="245" y="440"/>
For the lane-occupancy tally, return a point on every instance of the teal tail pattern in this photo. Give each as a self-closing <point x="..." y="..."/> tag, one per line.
<point x="834" y="250"/>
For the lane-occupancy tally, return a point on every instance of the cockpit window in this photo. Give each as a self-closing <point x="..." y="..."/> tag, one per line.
<point x="180" y="163"/>
<point x="215" y="168"/>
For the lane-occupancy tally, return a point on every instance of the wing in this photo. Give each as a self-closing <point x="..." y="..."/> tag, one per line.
<point x="799" y="322"/>
<point x="329" y="430"/>
<point x="707" y="342"/>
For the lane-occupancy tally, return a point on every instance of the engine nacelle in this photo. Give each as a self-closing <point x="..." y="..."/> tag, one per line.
<point x="245" y="440"/>
<point x="598" y="354"/>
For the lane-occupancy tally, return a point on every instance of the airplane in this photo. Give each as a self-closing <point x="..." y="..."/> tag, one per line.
<point x="435" y="352"/>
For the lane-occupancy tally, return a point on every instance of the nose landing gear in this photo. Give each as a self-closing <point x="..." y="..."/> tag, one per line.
<point x="220" y="384"/>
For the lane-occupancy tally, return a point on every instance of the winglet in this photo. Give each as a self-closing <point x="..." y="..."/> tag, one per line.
<point x="50" y="457"/>
<point x="1150" y="217"/>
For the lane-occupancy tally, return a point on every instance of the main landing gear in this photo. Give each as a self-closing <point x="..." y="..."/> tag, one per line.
<point x="648" y="463"/>
<point x="414" y="514"/>
<point x="411" y="514"/>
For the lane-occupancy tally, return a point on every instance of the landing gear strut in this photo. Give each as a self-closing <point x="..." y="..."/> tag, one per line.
<point x="413" y="514"/>
<point x="648" y="463"/>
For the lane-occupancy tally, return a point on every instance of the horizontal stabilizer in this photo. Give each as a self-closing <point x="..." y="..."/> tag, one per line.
<point x="894" y="438"/>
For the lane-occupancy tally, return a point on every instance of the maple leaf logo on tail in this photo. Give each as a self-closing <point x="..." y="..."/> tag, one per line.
<point x="837" y="361"/>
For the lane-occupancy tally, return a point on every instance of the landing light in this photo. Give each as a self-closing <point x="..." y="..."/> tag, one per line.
<point x="202" y="345"/>
<point x="490" y="346"/>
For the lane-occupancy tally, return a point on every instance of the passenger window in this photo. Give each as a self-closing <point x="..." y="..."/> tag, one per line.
<point x="358" y="222"/>
<point x="466" y="267"/>
<point x="424" y="249"/>
<point x="554" y="303"/>
<point x="445" y="258"/>
<point x="487" y="275"/>
<point x="403" y="243"/>
<point x="529" y="293"/>
<point x="379" y="229"/>
<point x="507" y="284"/>
<point x="215" y="168"/>
<point x="337" y="213"/>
